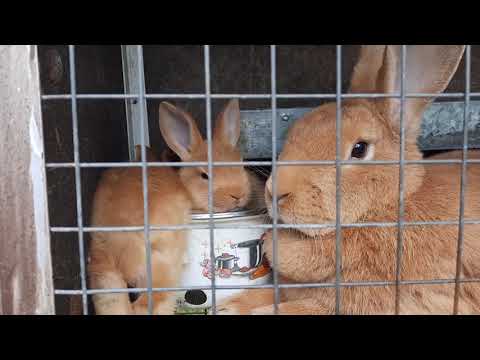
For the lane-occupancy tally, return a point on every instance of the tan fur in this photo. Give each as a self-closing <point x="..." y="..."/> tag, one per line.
<point x="118" y="259"/>
<point x="370" y="194"/>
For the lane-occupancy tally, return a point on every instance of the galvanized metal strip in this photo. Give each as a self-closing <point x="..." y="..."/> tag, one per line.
<point x="133" y="76"/>
<point x="441" y="128"/>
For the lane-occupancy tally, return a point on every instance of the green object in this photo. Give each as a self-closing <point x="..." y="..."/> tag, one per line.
<point x="184" y="310"/>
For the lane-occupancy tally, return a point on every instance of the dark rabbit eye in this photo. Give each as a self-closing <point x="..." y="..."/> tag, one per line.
<point x="204" y="176"/>
<point x="359" y="151"/>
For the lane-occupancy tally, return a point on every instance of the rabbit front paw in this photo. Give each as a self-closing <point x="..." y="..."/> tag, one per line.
<point x="264" y="310"/>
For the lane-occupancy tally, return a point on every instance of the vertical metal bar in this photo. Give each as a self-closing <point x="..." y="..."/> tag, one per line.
<point x="78" y="184"/>
<point x="338" y="187"/>
<point x="146" y="220"/>
<point x="208" y="103"/>
<point x="401" y="183"/>
<point x="463" y="183"/>
<point x="273" y="79"/>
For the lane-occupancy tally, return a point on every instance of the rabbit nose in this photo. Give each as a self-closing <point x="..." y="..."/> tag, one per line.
<point x="280" y="197"/>
<point x="235" y="197"/>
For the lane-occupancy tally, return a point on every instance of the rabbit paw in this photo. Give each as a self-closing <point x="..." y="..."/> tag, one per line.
<point x="264" y="310"/>
<point x="230" y="310"/>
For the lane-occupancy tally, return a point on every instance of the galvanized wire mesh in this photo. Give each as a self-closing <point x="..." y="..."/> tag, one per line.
<point x="338" y="284"/>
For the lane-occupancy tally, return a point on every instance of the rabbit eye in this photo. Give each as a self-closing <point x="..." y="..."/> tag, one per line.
<point x="359" y="151"/>
<point x="204" y="176"/>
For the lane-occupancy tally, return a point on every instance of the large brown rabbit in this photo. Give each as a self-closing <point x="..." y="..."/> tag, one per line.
<point x="118" y="259"/>
<point x="306" y="195"/>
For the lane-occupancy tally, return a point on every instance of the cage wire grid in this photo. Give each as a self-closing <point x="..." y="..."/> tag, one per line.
<point x="274" y="163"/>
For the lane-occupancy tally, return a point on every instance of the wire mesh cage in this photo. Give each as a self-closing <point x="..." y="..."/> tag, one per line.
<point x="447" y="125"/>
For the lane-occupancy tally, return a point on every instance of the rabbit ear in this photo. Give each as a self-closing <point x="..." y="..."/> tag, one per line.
<point x="366" y="71"/>
<point x="179" y="130"/>
<point x="227" y="129"/>
<point x="429" y="69"/>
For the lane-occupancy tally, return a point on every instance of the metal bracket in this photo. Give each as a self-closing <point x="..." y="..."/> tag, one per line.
<point x="131" y="80"/>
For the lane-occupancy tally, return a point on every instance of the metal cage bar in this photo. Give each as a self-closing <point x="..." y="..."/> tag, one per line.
<point x="78" y="179"/>
<point x="273" y="84"/>
<point x="259" y="163"/>
<point x="272" y="286"/>
<point x="146" y="220"/>
<point x="260" y="226"/>
<point x="338" y="182"/>
<point x="208" y="100"/>
<point x="401" y="182"/>
<point x="255" y="96"/>
<point x="463" y="181"/>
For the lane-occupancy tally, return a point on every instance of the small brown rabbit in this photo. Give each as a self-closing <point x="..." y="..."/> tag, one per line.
<point x="118" y="259"/>
<point x="306" y="195"/>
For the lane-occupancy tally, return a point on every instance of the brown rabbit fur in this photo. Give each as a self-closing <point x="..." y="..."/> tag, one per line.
<point x="306" y="195"/>
<point x="118" y="259"/>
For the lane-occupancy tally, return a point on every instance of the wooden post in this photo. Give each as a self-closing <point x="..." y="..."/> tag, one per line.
<point x="26" y="285"/>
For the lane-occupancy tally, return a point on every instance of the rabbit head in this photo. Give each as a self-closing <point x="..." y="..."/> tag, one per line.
<point x="370" y="131"/>
<point x="231" y="185"/>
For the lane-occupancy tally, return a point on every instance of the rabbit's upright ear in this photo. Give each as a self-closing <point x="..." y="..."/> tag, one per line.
<point x="227" y="127"/>
<point x="367" y="69"/>
<point x="429" y="69"/>
<point x="179" y="130"/>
